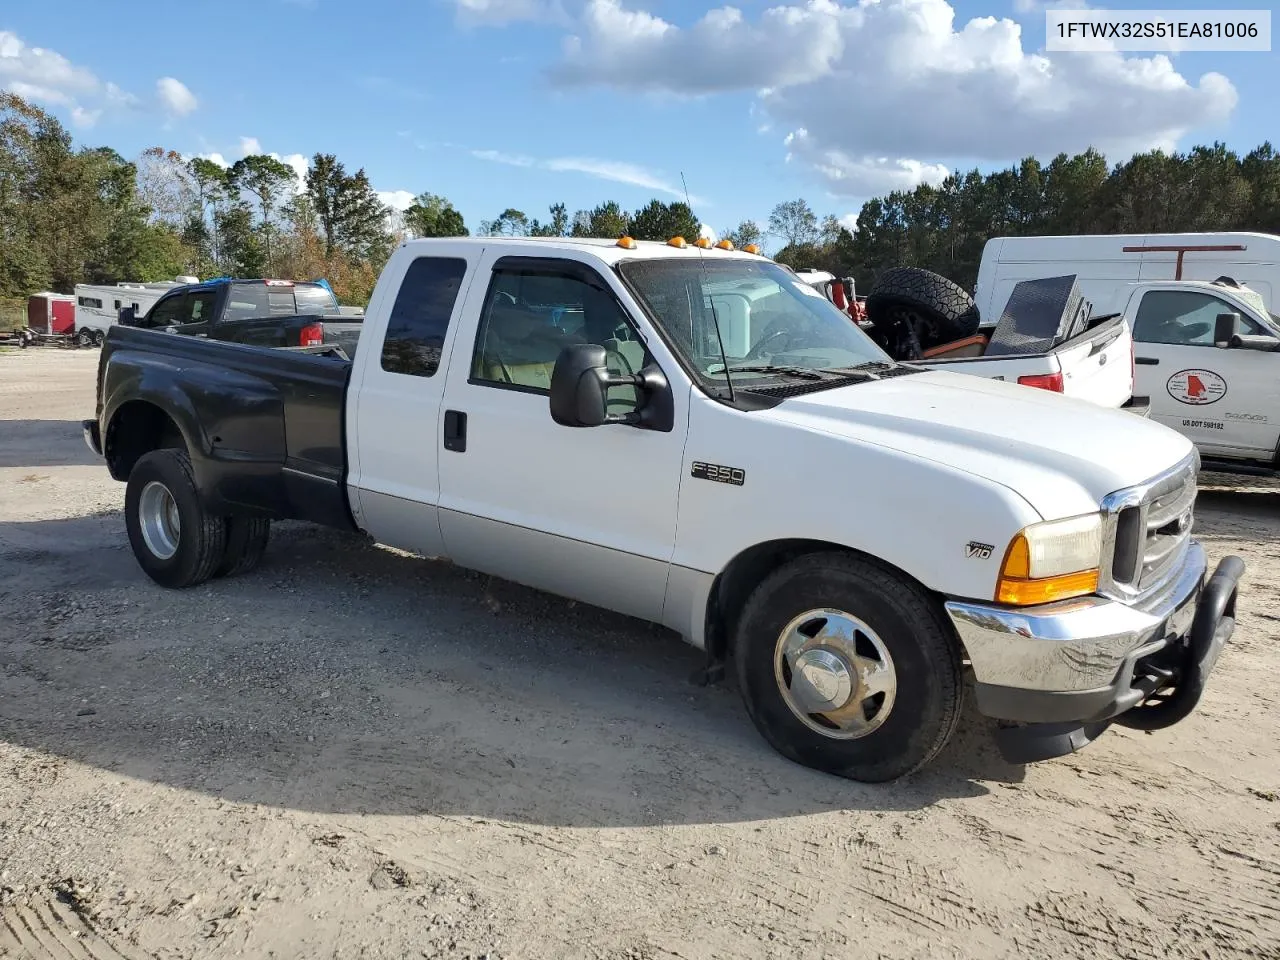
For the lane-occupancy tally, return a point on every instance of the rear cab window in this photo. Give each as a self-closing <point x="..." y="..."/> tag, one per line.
<point x="251" y="301"/>
<point x="420" y="316"/>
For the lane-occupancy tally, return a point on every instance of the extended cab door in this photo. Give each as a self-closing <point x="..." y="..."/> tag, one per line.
<point x="394" y="399"/>
<point x="1226" y="401"/>
<point x="588" y="513"/>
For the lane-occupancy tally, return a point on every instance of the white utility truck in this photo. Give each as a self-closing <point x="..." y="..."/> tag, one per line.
<point x="1207" y="356"/>
<point x="1106" y="262"/>
<point x="578" y="416"/>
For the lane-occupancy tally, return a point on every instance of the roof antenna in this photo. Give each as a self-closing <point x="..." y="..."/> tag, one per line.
<point x="715" y="317"/>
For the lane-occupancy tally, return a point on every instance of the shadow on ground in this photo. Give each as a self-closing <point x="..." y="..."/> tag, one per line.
<point x="345" y="678"/>
<point x="44" y="443"/>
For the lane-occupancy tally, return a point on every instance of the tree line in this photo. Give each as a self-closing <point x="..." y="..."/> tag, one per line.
<point x="72" y="215"/>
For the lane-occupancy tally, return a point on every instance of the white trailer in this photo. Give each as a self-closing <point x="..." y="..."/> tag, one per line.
<point x="99" y="305"/>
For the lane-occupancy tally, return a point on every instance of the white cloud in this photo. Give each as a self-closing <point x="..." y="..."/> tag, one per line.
<point x="497" y="156"/>
<point x="616" y="171"/>
<point x="495" y="13"/>
<point x="849" y="221"/>
<point x="47" y="77"/>
<point x="175" y="96"/>
<point x="397" y="199"/>
<point x="879" y="93"/>
<point x="861" y="175"/>
<point x="634" y="49"/>
<point x="217" y="158"/>
<point x="619" y="172"/>
<point x="250" y="146"/>
<point x="35" y="73"/>
<point x="84" y="118"/>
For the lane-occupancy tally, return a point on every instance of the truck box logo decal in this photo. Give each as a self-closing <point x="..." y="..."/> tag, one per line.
<point x="974" y="550"/>
<point x="714" y="471"/>
<point x="1196" y="387"/>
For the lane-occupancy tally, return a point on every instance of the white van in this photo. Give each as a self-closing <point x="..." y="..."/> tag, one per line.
<point x="1106" y="264"/>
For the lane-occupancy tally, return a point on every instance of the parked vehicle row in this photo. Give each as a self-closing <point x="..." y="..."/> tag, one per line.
<point x="698" y="438"/>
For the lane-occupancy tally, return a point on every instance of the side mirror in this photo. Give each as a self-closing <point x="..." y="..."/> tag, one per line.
<point x="1225" y="328"/>
<point x="580" y="383"/>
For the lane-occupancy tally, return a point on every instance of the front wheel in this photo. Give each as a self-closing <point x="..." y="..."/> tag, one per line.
<point x="175" y="540"/>
<point x="848" y="668"/>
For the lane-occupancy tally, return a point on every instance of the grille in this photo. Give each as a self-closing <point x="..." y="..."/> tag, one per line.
<point x="1149" y="528"/>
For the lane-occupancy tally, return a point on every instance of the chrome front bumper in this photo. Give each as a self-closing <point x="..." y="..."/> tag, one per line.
<point x="1084" y="660"/>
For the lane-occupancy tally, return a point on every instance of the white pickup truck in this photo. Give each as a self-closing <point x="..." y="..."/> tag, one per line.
<point x="579" y="416"/>
<point x="933" y="322"/>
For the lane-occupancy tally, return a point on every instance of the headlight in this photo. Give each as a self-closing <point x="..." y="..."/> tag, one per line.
<point x="1052" y="561"/>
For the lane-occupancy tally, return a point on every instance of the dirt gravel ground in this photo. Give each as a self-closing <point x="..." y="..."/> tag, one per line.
<point x="353" y="753"/>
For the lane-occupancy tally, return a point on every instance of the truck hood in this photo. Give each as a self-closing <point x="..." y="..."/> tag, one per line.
<point x="1060" y="454"/>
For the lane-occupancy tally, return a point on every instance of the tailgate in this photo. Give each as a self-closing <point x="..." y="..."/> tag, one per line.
<point x="1098" y="365"/>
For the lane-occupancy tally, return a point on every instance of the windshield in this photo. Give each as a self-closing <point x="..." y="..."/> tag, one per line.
<point x="767" y="318"/>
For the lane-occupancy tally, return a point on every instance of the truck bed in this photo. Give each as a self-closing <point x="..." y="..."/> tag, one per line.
<point x="1095" y="364"/>
<point x="268" y="438"/>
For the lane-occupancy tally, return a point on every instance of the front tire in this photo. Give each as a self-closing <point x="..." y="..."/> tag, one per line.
<point x="175" y="540"/>
<point x="848" y="668"/>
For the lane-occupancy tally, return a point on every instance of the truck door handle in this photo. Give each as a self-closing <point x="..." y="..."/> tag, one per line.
<point x="1147" y="361"/>
<point x="455" y="431"/>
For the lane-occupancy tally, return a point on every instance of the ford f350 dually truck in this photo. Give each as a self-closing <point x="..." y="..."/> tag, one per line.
<point x="578" y="416"/>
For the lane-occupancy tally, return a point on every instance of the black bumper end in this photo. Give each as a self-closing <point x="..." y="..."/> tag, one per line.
<point x="91" y="437"/>
<point x="1172" y="679"/>
<point x="1138" y="405"/>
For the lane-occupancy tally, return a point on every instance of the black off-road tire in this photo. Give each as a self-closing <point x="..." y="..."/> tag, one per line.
<point x="202" y="535"/>
<point x="944" y="310"/>
<point x="911" y="625"/>
<point x="246" y="542"/>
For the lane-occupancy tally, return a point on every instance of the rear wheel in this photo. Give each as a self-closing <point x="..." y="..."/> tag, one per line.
<point x="175" y="540"/>
<point x="84" y="338"/>
<point x="848" y="668"/>
<point x="246" y="542"/>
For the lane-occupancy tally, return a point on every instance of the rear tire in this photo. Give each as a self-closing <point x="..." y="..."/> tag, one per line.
<point x="175" y="540"/>
<point x="897" y="701"/>
<point x="84" y="338"/>
<point x="246" y="542"/>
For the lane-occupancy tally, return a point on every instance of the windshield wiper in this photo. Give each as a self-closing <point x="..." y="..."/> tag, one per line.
<point x="806" y="373"/>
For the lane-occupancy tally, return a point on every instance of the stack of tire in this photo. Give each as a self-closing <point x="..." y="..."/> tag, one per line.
<point x="913" y="310"/>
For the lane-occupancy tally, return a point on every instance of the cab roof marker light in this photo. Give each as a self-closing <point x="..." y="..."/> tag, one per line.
<point x="703" y="242"/>
<point x="626" y="243"/>
<point x="753" y="248"/>
<point x="724" y="245"/>
<point x="677" y="242"/>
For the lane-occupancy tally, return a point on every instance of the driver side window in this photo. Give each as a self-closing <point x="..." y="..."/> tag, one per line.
<point x="1183" y="317"/>
<point x="164" y="312"/>
<point x="530" y="316"/>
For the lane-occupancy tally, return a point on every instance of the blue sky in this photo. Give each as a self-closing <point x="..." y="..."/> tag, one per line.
<point x="498" y="103"/>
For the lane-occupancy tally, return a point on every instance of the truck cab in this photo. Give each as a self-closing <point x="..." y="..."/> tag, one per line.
<point x="1219" y="386"/>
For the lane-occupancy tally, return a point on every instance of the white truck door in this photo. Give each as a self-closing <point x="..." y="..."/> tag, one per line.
<point x="588" y="513"/>
<point x="393" y="410"/>
<point x="1225" y="401"/>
